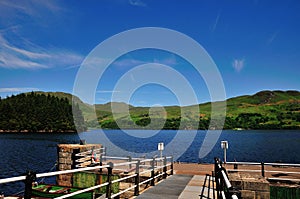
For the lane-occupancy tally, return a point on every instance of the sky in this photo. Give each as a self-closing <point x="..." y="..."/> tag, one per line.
<point x="255" y="45"/>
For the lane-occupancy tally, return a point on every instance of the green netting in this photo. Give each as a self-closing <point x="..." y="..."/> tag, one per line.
<point x="85" y="180"/>
<point x="278" y="192"/>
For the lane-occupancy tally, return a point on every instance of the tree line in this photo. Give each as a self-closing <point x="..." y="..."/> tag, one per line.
<point x="32" y="112"/>
<point x="288" y="120"/>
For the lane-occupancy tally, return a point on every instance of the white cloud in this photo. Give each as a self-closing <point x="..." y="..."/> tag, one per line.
<point x="238" y="64"/>
<point x="107" y="91"/>
<point x="170" y="61"/>
<point x="17" y="90"/>
<point x="38" y="10"/>
<point x="137" y="3"/>
<point x="31" y="56"/>
<point x="128" y="62"/>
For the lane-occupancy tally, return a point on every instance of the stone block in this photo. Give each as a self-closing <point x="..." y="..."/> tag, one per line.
<point x="247" y="194"/>
<point x="65" y="161"/>
<point x="262" y="195"/>
<point x="62" y="167"/>
<point x="256" y="185"/>
<point x="64" y="155"/>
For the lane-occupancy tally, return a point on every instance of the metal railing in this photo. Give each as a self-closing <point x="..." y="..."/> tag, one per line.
<point x="157" y="167"/>
<point x="89" y="157"/>
<point x="224" y="188"/>
<point x="263" y="169"/>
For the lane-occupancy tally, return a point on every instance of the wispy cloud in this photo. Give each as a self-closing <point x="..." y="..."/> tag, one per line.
<point x="36" y="9"/>
<point x="137" y="3"/>
<point x="31" y="56"/>
<point x="128" y="62"/>
<point x="272" y="38"/>
<point x="214" y="26"/>
<point x="17" y="90"/>
<point x="18" y="51"/>
<point x="238" y="64"/>
<point x="108" y="91"/>
<point x="167" y="61"/>
<point x="131" y="62"/>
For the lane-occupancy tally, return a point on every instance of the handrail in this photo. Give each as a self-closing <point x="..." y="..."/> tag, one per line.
<point x="31" y="176"/>
<point x="263" y="170"/>
<point x="271" y="164"/>
<point x="223" y="186"/>
<point x="54" y="173"/>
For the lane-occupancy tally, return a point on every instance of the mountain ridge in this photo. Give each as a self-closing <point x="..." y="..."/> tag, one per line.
<point x="263" y="110"/>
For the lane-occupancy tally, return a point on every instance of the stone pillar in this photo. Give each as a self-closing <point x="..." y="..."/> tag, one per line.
<point x="66" y="160"/>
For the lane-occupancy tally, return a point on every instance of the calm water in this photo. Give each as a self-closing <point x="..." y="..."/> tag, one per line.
<point x="37" y="152"/>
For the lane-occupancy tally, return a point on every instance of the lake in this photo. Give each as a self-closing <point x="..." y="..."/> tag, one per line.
<point x="37" y="151"/>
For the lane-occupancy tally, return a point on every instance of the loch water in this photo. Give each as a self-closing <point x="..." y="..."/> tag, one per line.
<point x="20" y="152"/>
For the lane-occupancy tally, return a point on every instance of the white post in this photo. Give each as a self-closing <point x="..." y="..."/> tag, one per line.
<point x="224" y="145"/>
<point x="160" y="147"/>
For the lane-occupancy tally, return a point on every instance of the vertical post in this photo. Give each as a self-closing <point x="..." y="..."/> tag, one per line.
<point x="137" y="179"/>
<point x="263" y="169"/>
<point x="224" y="146"/>
<point x="152" y="172"/>
<point x="172" y="166"/>
<point x="101" y="161"/>
<point x="217" y="178"/>
<point x="165" y="168"/>
<point x="224" y="155"/>
<point x="30" y="177"/>
<point x="105" y="153"/>
<point x="109" y="174"/>
<point x="129" y="160"/>
<point x="213" y="184"/>
<point x="74" y="158"/>
<point x="235" y="166"/>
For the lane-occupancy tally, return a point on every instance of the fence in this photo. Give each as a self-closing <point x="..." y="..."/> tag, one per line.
<point x="223" y="186"/>
<point x="156" y="167"/>
<point x="263" y="171"/>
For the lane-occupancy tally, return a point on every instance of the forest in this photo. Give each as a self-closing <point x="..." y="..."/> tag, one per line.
<point x="35" y="112"/>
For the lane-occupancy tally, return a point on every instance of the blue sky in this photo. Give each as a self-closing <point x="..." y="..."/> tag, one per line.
<point x="255" y="44"/>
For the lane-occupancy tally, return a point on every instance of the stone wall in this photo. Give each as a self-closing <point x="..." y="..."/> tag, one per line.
<point x="66" y="160"/>
<point x="251" y="186"/>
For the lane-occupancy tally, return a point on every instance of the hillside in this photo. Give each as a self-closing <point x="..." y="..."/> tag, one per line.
<point x="39" y="112"/>
<point x="263" y="110"/>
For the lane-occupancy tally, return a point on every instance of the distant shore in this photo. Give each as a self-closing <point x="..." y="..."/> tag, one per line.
<point x="39" y="131"/>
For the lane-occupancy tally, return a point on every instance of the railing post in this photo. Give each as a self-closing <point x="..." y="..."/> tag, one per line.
<point x="109" y="174"/>
<point x="101" y="161"/>
<point x="30" y="177"/>
<point x="137" y="179"/>
<point x="217" y="178"/>
<point x="105" y="153"/>
<point x="129" y="160"/>
<point x="152" y="172"/>
<point x="263" y="169"/>
<point x="235" y="166"/>
<point x="165" y="168"/>
<point x="172" y="166"/>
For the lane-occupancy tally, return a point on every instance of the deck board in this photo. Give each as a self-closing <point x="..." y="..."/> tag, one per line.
<point x="170" y="188"/>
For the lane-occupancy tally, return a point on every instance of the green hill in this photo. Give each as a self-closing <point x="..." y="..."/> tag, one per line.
<point x="263" y="110"/>
<point x="51" y="111"/>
